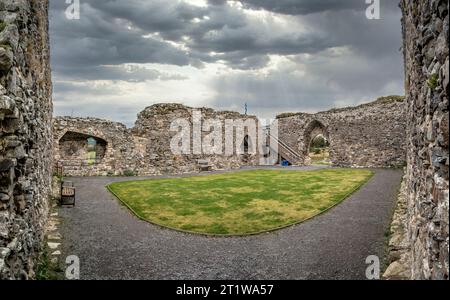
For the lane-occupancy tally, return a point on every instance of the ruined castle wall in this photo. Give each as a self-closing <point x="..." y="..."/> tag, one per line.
<point x="25" y="134"/>
<point x="369" y="135"/>
<point x="144" y="149"/>
<point x="425" y="30"/>
<point x="117" y="150"/>
<point x="155" y="122"/>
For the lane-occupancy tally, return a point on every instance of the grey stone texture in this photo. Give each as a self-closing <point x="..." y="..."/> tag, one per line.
<point x="425" y="31"/>
<point x="144" y="149"/>
<point x="385" y="133"/>
<point x="25" y="134"/>
<point x="399" y="249"/>
<point x="370" y="135"/>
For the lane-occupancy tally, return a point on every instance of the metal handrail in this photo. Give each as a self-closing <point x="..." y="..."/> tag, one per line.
<point x="284" y="145"/>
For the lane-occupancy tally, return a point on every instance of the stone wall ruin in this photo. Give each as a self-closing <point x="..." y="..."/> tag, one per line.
<point x="141" y="150"/>
<point x="113" y="152"/>
<point x="369" y="135"/>
<point x="25" y="134"/>
<point x="425" y="31"/>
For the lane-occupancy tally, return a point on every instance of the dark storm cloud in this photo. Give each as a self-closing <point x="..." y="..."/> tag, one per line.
<point x="324" y="82"/>
<point x="370" y="66"/>
<point x="113" y="33"/>
<point x="98" y="39"/>
<point x="129" y="73"/>
<point x="64" y="90"/>
<point x="305" y="7"/>
<point x="162" y="16"/>
<point x="217" y="2"/>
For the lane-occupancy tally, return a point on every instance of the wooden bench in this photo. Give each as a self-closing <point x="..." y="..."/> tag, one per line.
<point x="204" y="165"/>
<point x="67" y="193"/>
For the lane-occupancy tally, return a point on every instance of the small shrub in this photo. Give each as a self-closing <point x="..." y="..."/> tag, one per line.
<point x="59" y="177"/>
<point x="319" y="142"/>
<point x="433" y="81"/>
<point x="6" y="46"/>
<point x="390" y="99"/>
<point x="2" y="26"/>
<point x="129" y="173"/>
<point x="46" y="269"/>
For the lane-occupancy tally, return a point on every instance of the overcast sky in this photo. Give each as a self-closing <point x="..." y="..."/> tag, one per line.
<point x="276" y="55"/>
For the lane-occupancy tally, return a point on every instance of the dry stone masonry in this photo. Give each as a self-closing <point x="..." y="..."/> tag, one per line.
<point x="369" y="135"/>
<point x="142" y="150"/>
<point x="425" y="30"/>
<point x="25" y="134"/>
<point x="115" y="149"/>
<point x="386" y="133"/>
<point x="399" y="254"/>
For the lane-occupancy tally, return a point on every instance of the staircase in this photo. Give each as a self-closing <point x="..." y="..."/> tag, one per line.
<point x="285" y="151"/>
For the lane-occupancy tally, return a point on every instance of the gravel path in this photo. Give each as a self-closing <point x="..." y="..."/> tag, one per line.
<point x="113" y="244"/>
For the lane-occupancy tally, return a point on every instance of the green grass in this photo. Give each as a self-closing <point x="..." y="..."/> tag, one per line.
<point x="91" y="157"/>
<point x="320" y="162"/>
<point x="239" y="203"/>
<point x="433" y="81"/>
<point x="47" y="270"/>
<point x="322" y="157"/>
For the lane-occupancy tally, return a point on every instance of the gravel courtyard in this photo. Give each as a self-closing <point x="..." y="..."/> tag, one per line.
<point x="113" y="244"/>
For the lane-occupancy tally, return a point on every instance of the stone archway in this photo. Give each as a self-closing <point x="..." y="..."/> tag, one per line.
<point x="246" y="149"/>
<point x="81" y="148"/>
<point x="246" y="144"/>
<point x="316" y="142"/>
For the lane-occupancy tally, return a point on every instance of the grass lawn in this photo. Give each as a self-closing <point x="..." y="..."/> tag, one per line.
<point x="239" y="203"/>
<point x="322" y="158"/>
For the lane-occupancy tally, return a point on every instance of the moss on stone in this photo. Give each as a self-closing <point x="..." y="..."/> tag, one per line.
<point x="433" y="81"/>
<point x="46" y="269"/>
<point x="6" y="46"/>
<point x="389" y="99"/>
<point x="2" y="26"/>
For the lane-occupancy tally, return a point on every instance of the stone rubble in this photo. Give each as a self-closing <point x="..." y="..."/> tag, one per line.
<point x="399" y="257"/>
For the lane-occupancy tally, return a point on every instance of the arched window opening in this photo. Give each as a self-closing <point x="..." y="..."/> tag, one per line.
<point x="246" y="144"/>
<point x="317" y="143"/>
<point x="79" y="148"/>
<point x="91" y="150"/>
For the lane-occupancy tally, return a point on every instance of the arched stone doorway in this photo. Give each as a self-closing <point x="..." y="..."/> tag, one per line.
<point x="246" y="144"/>
<point x="316" y="143"/>
<point x="81" y="148"/>
<point x="246" y="149"/>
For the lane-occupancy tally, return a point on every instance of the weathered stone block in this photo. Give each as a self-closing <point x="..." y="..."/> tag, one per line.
<point x="6" y="58"/>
